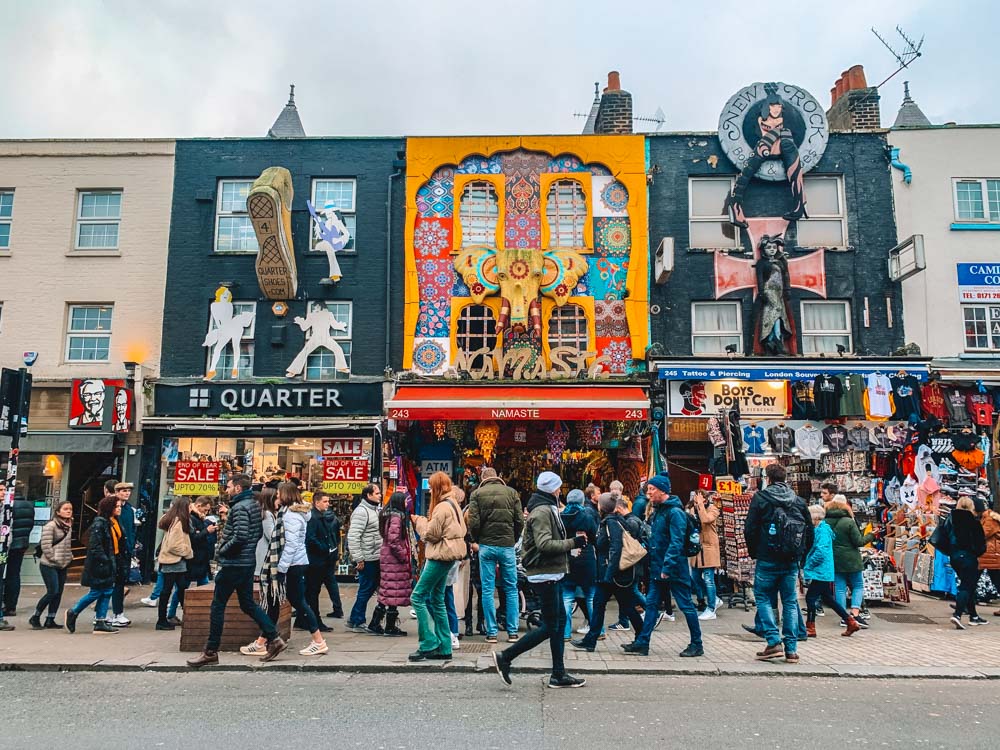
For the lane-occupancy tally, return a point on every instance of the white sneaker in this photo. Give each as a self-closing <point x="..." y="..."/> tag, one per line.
<point x="313" y="649"/>
<point x="120" y="621"/>
<point x="708" y="614"/>
<point x="149" y="602"/>
<point x="413" y="614"/>
<point x="583" y="631"/>
<point x="455" y="643"/>
<point x="718" y="602"/>
<point x="253" y="649"/>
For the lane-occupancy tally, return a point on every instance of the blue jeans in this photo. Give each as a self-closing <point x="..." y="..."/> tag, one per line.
<point x="703" y="583"/>
<point x="857" y="583"/>
<point x="489" y="558"/>
<point x="449" y="605"/>
<point x="157" y="587"/>
<point x="101" y="596"/>
<point x="771" y="580"/>
<point x="569" y="597"/>
<point x="175" y="600"/>
<point x="680" y="585"/>
<point x="800" y="625"/>
<point x="368" y="578"/>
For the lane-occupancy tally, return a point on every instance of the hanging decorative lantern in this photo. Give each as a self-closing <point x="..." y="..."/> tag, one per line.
<point x="440" y="426"/>
<point x="521" y="434"/>
<point x="596" y="433"/>
<point x="556" y="439"/>
<point x="486" y="434"/>
<point x="582" y="429"/>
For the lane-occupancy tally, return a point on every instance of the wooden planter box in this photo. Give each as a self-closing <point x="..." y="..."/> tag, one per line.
<point x="239" y="629"/>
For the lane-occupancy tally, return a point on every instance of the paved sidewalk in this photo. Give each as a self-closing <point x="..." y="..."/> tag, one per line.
<point x="930" y="647"/>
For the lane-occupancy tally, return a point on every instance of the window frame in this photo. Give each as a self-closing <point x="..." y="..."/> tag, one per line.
<point x="352" y="249"/>
<point x="738" y="333"/>
<point x="584" y="219"/>
<point x="581" y="337"/>
<point x="841" y="217"/>
<point x="248" y="338"/>
<point x="737" y="242"/>
<point x="464" y="221"/>
<point x="220" y="214"/>
<point x="7" y="221"/>
<point x="986" y="306"/>
<point x="804" y="333"/>
<point x="82" y="221"/>
<point x="984" y="186"/>
<point x="340" y="336"/>
<point x="489" y="339"/>
<point x="71" y="333"/>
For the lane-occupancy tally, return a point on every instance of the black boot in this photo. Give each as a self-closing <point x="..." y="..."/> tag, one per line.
<point x="392" y="625"/>
<point x="375" y="626"/>
<point x="35" y="622"/>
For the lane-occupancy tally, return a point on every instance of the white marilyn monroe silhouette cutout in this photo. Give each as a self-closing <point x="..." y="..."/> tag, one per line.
<point x="318" y="326"/>
<point x="224" y="330"/>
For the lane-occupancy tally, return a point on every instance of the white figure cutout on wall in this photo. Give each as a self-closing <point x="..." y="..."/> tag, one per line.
<point x="224" y="330"/>
<point x="332" y="235"/>
<point x="318" y="326"/>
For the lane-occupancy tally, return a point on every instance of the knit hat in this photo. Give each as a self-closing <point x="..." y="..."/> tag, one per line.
<point x="575" y="497"/>
<point x="548" y="482"/>
<point x="661" y="482"/>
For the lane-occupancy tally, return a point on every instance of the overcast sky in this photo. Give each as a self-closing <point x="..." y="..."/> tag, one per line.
<point x="119" y="68"/>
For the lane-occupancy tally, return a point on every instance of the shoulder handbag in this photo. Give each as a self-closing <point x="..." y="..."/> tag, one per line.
<point x="458" y="519"/>
<point x="632" y="550"/>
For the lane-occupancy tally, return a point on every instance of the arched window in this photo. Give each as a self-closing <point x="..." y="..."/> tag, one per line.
<point x="566" y="210"/>
<point x="568" y="327"/>
<point x="476" y="328"/>
<point x="478" y="214"/>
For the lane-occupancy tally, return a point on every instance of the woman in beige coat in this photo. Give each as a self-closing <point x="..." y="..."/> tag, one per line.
<point x="443" y="534"/>
<point x="704" y="564"/>
<point x="175" y="551"/>
<point x="56" y="547"/>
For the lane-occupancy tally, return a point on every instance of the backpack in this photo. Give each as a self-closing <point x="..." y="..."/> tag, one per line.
<point x="943" y="537"/>
<point x="784" y="534"/>
<point x="692" y="536"/>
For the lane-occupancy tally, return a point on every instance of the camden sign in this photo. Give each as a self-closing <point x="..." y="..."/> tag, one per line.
<point x="268" y="399"/>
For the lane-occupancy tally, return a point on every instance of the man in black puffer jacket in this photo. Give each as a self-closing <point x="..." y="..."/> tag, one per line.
<point x="237" y="559"/>
<point x="323" y="550"/>
<point x="10" y="574"/>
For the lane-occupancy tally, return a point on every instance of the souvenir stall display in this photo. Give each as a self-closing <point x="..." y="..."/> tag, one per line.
<point x="736" y="561"/>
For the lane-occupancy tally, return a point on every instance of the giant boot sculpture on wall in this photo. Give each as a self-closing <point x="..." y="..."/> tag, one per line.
<point x="269" y="204"/>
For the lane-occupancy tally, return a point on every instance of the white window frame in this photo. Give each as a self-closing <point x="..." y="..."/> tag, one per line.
<point x="350" y="215"/>
<point x="7" y="221"/>
<point x="723" y="218"/>
<point x="220" y="214"/>
<point x="848" y="332"/>
<point x="988" y="216"/>
<point x="841" y="216"/>
<point x="989" y="335"/>
<point x="82" y="221"/>
<point x="72" y="333"/>
<point x="248" y="338"/>
<point x="579" y="339"/>
<point x="343" y="337"/>
<point x="577" y="214"/>
<point x="482" y="217"/>
<point x="696" y="334"/>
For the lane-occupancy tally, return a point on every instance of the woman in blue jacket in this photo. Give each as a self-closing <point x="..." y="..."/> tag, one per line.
<point x="819" y="574"/>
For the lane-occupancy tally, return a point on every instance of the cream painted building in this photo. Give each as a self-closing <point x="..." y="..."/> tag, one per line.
<point x="953" y="200"/>
<point x="83" y="257"/>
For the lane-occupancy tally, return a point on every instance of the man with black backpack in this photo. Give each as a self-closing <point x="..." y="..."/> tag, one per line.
<point x="779" y="534"/>
<point x="670" y="545"/>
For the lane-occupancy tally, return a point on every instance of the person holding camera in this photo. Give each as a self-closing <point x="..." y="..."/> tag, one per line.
<point x="545" y="556"/>
<point x="704" y="564"/>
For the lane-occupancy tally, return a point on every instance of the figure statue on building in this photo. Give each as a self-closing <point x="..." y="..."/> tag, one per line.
<point x="775" y="142"/>
<point x="319" y="325"/>
<point x="774" y="331"/>
<point x="225" y="330"/>
<point x="332" y="235"/>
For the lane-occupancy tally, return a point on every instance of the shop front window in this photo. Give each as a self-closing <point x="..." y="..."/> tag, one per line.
<point x="982" y="327"/>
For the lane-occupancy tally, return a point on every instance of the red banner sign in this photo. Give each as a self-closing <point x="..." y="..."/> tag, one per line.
<point x="343" y="447"/>
<point x="197" y="477"/>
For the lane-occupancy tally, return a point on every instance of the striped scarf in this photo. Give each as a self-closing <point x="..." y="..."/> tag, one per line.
<point x="271" y="589"/>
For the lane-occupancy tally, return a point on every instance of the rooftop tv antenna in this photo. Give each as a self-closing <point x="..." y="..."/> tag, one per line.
<point x="658" y="117"/>
<point x="905" y="56"/>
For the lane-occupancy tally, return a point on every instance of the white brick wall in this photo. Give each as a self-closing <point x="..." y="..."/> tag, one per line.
<point x="41" y="272"/>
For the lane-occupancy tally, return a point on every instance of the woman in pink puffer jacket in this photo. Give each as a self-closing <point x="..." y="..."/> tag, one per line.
<point x="395" y="566"/>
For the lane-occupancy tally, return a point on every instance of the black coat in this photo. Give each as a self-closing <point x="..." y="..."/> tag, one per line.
<point x="583" y="567"/>
<point x="23" y="523"/>
<point x="201" y="545"/>
<point x="758" y="519"/>
<point x="609" y="552"/>
<point x="99" y="567"/>
<point x="323" y="538"/>
<point x="968" y="539"/>
<point x="243" y="529"/>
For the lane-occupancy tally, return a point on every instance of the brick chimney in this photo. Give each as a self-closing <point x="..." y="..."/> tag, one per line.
<point x="853" y="103"/>
<point x="615" y="113"/>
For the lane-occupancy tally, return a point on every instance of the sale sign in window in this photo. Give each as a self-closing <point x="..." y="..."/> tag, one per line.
<point x="197" y="477"/>
<point x="345" y="476"/>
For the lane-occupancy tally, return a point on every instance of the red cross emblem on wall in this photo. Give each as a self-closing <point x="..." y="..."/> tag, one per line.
<point x="807" y="272"/>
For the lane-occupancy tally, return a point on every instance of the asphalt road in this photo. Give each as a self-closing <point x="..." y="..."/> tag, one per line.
<point x="293" y="710"/>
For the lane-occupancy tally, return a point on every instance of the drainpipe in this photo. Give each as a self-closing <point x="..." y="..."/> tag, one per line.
<point x="399" y="164"/>
<point x="895" y="162"/>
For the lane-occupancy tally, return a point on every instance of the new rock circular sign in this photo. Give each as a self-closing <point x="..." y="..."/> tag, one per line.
<point x="771" y="121"/>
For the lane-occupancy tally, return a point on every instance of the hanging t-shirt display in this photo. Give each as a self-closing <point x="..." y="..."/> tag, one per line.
<point x="880" y="438"/>
<point x="827" y="391"/>
<point x="753" y="437"/>
<point x="835" y="438"/>
<point x="878" y="397"/>
<point x="852" y="390"/>
<point x="858" y="438"/>
<point x="908" y="492"/>
<point x="954" y="401"/>
<point x="932" y="400"/>
<point x="980" y="408"/>
<point x="781" y="438"/>
<point x="906" y="397"/>
<point x="809" y="441"/>
<point x="803" y="406"/>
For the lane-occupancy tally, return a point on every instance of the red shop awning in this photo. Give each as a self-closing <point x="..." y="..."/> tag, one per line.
<point x="628" y="403"/>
